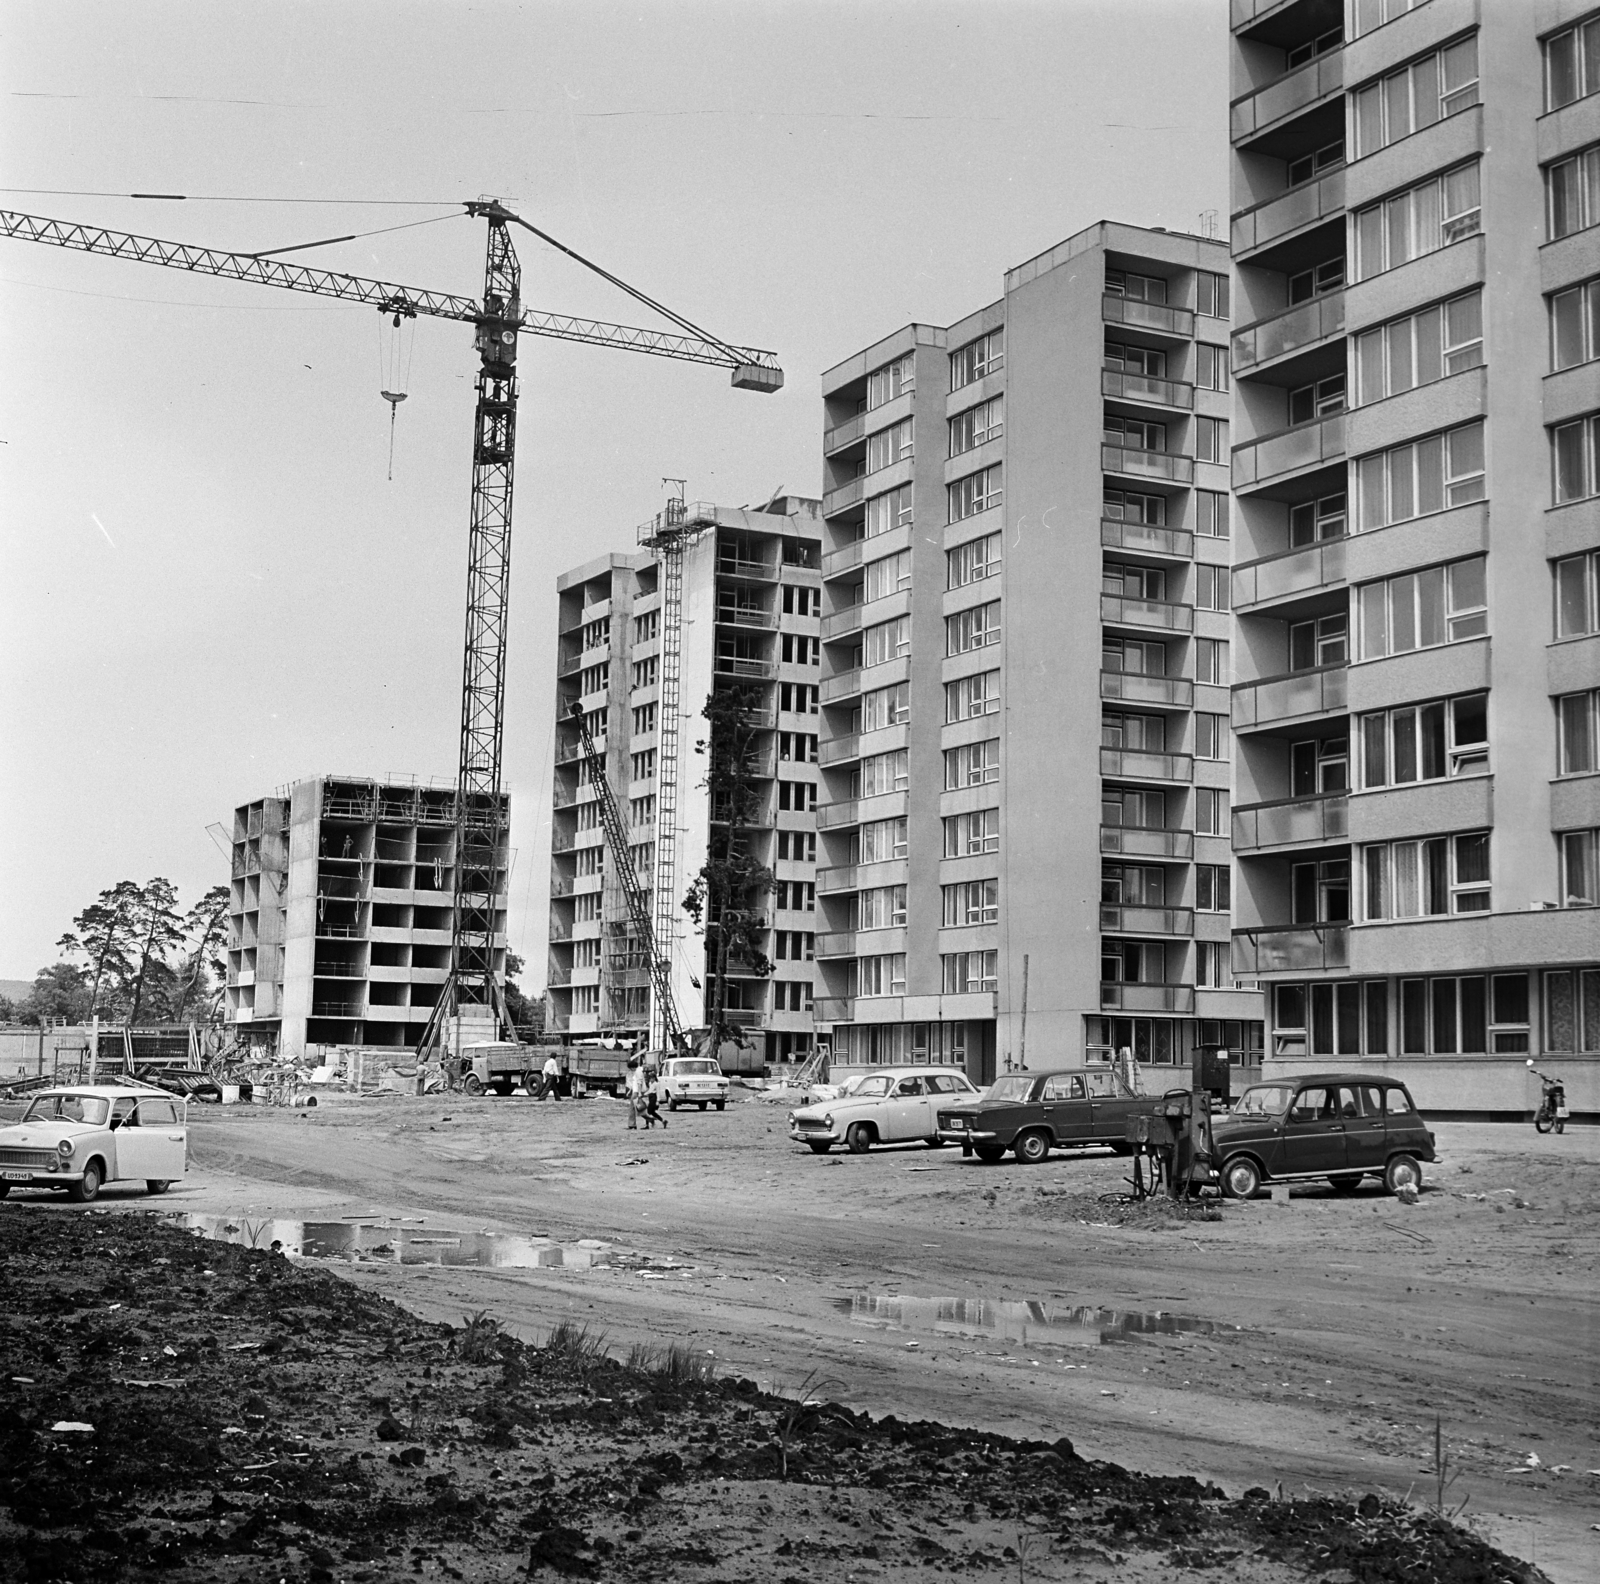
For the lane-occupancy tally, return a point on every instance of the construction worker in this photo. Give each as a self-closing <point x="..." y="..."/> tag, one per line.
<point x="552" y="1077"/>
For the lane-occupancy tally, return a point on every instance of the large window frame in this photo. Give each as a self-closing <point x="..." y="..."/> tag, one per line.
<point x="1575" y="460"/>
<point x="975" y="493"/>
<point x="980" y="357"/>
<point x="1437" y="740"/>
<point x="1416" y="96"/>
<point x="1431" y="344"/>
<point x="1433" y="473"/>
<point x="1571" y="63"/>
<point x="1575" y="325"/>
<point x="1425" y="609"/>
<point x="1428" y="877"/>
<point x="1576" y="591"/>
<point x="1422" y="219"/>
<point x="1572" y="193"/>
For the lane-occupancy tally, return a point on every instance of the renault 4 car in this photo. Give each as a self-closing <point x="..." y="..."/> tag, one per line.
<point x="1340" y="1126"/>
<point x="81" y="1137"/>
<point x="893" y="1105"/>
<point x="1032" y="1113"/>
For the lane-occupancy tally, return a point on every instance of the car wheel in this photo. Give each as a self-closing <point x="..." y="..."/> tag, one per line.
<point x="672" y="1105"/>
<point x="5" y="1188"/>
<point x="722" y="1105"/>
<point x="1241" y="1178"/>
<point x="156" y="1185"/>
<point x="1401" y="1172"/>
<point x="472" y="1084"/>
<point x="989" y="1152"/>
<point x="819" y="1146"/>
<point x="83" y="1191"/>
<point x="1032" y="1147"/>
<point x="704" y="1104"/>
<point x="859" y="1138"/>
<point x="530" y="1085"/>
<point x="1346" y="1182"/>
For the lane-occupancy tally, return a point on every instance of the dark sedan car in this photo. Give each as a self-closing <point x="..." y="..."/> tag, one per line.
<point x="1341" y="1126"/>
<point x="1032" y="1113"/>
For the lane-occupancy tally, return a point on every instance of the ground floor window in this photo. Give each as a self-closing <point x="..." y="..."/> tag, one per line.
<point x="900" y="1044"/>
<point x="1455" y="1015"/>
<point x="784" y="1045"/>
<point x="1171" y="1042"/>
<point x="1572" y="1010"/>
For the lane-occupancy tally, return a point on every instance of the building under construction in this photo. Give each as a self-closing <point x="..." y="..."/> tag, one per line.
<point x="717" y="600"/>
<point x="343" y="911"/>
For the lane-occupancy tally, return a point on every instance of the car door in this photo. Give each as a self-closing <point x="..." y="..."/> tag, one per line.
<point x="910" y="1110"/>
<point x="1365" y="1136"/>
<point x="136" y="1150"/>
<point x="1314" y="1132"/>
<point x="1067" y="1109"/>
<point x="1111" y="1108"/>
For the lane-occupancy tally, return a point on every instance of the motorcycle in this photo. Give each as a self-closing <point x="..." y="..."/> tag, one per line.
<point x="1552" y="1112"/>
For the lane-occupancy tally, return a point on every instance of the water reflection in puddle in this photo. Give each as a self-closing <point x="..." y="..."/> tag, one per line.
<point x="399" y="1243"/>
<point x="1082" y="1325"/>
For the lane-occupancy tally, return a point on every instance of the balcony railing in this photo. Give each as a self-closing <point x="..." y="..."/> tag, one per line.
<point x="1132" y="688"/>
<point x="745" y="616"/>
<point x="1124" y="612"/>
<point x="1177" y="921"/>
<point x="1292" y="821"/>
<point x="842" y="877"/>
<point x="1143" y="388"/>
<point x="840" y="686"/>
<point x="1129" y="764"/>
<point x="1278" y="217"/>
<point x="851" y="493"/>
<point x="842" y="623"/>
<point x="336" y="1009"/>
<point x="1301" y="326"/>
<point x="1147" y="464"/>
<point x="1146" y="538"/>
<point x="839" y="750"/>
<point x="831" y="1009"/>
<point x="1137" y="841"/>
<point x="1272" y="700"/>
<point x="737" y="566"/>
<point x="1289" y="451"/>
<point x="1299" y="948"/>
<point x="1148" y="316"/>
<point x="846" y="434"/>
<point x="836" y="816"/>
<point x="836" y="943"/>
<point x="1123" y="997"/>
<point x="843" y="559"/>
<point x="734" y="665"/>
<point x="1294" y="92"/>
<point x="1301" y="571"/>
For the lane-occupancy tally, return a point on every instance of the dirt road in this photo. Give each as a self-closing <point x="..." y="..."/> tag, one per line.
<point x="1327" y="1333"/>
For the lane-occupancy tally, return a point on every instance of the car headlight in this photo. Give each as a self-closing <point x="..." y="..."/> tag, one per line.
<point x="827" y="1120"/>
<point x="793" y="1118"/>
<point x="64" y="1148"/>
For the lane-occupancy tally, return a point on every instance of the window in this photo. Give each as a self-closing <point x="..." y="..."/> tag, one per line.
<point x="1139" y="288"/>
<point x="1572" y="64"/>
<point x="1213" y="969"/>
<point x="798" y="797"/>
<point x="986" y="355"/>
<point x="880" y="773"/>
<point x="798" y="846"/>
<point x="1211" y="514"/>
<point x="590" y="861"/>
<point x="881" y="907"/>
<point x="889" y="510"/>
<point x="890" y="706"/>
<point x="1346" y="1017"/>
<point x="588" y="816"/>
<point x="585" y="1000"/>
<point x="885" y="641"/>
<point x="1211" y="299"/>
<point x="970" y="696"/>
<point x="1211" y="587"/>
<point x="1425" y="742"/>
<point x="595" y="678"/>
<point x="1317" y="400"/>
<point x="1320" y="279"/>
<point x="1309" y="51"/>
<point x="597" y="634"/>
<point x="893" y="379"/>
<point x="1210" y="735"/>
<point x="793" y="648"/>
<point x="975" y="493"/>
<point x="1578" y="733"/>
<point x="1425" y="218"/>
<point x="971" y="902"/>
<point x="1211" y="811"/>
<point x="797" y="747"/>
<point x="1580" y="868"/>
<point x="1319" y="892"/>
<point x="796" y="896"/>
<point x="1572" y="1010"/>
<point x="642" y="766"/>
<point x="798" y="698"/>
<point x="1420" y="879"/>
<point x="1312" y="520"/>
<point x="1122" y="807"/>
<point x="1132" y="885"/>
<point x="586" y="907"/>
<point x="888" y="446"/>
<point x="1132" y="962"/>
<point x="642" y="810"/>
<point x="1136" y="733"/>
<point x="974" y="628"/>
<point x="968" y="973"/>
<point x="881" y="976"/>
<point x="1577" y="589"/>
<point x="882" y="841"/>
<point x="977" y="425"/>
<point x="1420" y="610"/>
<point x="647" y="627"/>
<point x="972" y="764"/>
<point x="1572" y="192"/>
<point x="1135" y="359"/>
<point x="1127" y="506"/>
<point x="1314" y="163"/>
<point x="1370" y="14"/>
<point x="1575" y="325"/>
<point x="799" y="599"/>
<point x="644" y="672"/>
<point x="1318" y="642"/>
<point x="1213" y="888"/>
<point x="1133" y="582"/>
<point x="972" y="561"/>
<point x="1420" y="477"/>
<point x="1422" y="347"/>
<point x="1319" y="765"/>
<point x="1416" y="96"/>
<point x="644" y="719"/>
<point x="1211" y="367"/>
<point x="887" y="576"/>
<point x="1467" y="1016"/>
<point x="1573" y="448"/>
<point x="1134" y="434"/>
<point x="1133" y="657"/>
<point x="1211" y="439"/>
<point x="966" y="835"/>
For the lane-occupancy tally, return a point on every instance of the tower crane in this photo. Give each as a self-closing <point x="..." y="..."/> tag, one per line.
<point x="498" y="319"/>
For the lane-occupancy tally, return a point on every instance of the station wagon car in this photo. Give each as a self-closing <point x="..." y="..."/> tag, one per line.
<point x="83" y="1136"/>
<point x="1341" y="1126"/>
<point x="896" y="1105"/>
<point x="693" y="1080"/>
<point x="1033" y="1113"/>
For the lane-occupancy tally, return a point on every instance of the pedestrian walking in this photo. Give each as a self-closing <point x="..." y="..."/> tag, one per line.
<point x="634" y="1089"/>
<point x="552" y="1077"/>
<point x="652" y="1100"/>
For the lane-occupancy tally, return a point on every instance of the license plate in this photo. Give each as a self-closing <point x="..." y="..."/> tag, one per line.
<point x="17" y="1176"/>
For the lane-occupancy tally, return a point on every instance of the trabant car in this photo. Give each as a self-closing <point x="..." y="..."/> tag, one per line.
<point x="895" y="1105"/>
<point x="1341" y="1126"/>
<point x="1034" y="1112"/>
<point x="693" y="1080"/>
<point x="83" y="1136"/>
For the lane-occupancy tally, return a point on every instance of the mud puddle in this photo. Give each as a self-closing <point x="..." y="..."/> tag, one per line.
<point x="1082" y="1325"/>
<point x="405" y="1243"/>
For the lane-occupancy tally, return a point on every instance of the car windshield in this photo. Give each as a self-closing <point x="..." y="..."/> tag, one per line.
<point x="872" y="1087"/>
<point x="1263" y="1100"/>
<point x="67" y="1108"/>
<point x="688" y="1068"/>
<point x="1014" y="1086"/>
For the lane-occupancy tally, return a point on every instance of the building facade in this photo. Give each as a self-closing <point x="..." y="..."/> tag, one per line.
<point x="1025" y="741"/>
<point x="747" y="621"/>
<point x="1416" y="191"/>
<point x="342" y="912"/>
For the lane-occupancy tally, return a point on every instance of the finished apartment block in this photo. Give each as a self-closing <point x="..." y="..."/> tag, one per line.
<point x="1416" y="584"/>
<point x="718" y="600"/>
<point x="340" y="925"/>
<point x="1025" y="740"/>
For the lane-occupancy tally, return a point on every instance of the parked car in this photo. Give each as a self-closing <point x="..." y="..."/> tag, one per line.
<point x="1341" y="1126"/>
<point x="1033" y="1113"/>
<point x="81" y="1137"/>
<point x="693" y="1080"/>
<point x="894" y="1106"/>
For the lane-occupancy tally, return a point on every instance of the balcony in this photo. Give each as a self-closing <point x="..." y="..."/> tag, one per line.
<point x="1275" y="701"/>
<point x="1117" y="610"/>
<point x="844" y="623"/>
<point x="1296" y="210"/>
<point x="1129" y="463"/>
<point x="1289" y="452"/>
<point x="831" y="1009"/>
<point x="1300" y="948"/>
<point x="843" y="559"/>
<point x="1123" y="997"/>
<point x="1129" y="764"/>
<point x="842" y="877"/>
<point x="840" y="686"/>
<point x="1292" y="822"/>
<point x="836" y="816"/>
<point x="849" y="494"/>
<point x="839" y="750"/>
<point x="1145" y="390"/>
<point x="837" y="943"/>
<point x="1146" y="539"/>
<point x="841" y="436"/>
<point x="745" y="616"/>
<point x="1307" y="570"/>
<point x="1175" y="922"/>
<point x="729" y="566"/>
<point x="1163" y="692"/>
<point x="1177" y="322"/>
<point x="1304" y="325"/>
<point x="336" y="1009"/>
<point x="1288" y="96"/>
<point x="738" y="666"/>
<point x="1137" y="841"/>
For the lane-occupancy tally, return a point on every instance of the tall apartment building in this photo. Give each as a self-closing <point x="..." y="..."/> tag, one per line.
<point x="1025" y="743"/>
<point x="1416" y="194"/>
<point x="342" y="909"/>
<point x="750" y="600"/>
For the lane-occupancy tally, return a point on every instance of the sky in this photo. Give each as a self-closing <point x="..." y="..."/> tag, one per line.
<point x="210" y="588"/>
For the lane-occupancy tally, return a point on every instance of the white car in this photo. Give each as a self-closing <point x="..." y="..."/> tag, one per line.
<point x="693" y="1080"/>
<point x="894" y="1106"/>
<point x="85" y="1135"/>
